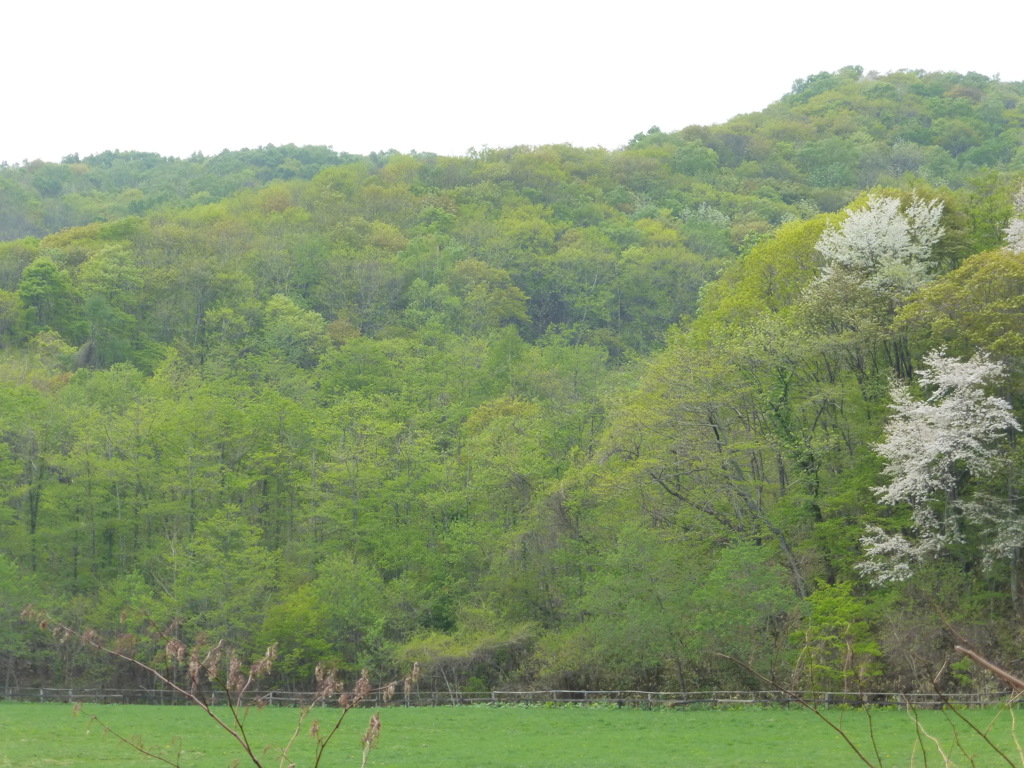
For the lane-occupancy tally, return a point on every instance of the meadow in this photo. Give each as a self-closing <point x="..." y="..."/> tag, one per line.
<point x="38" y="735"/>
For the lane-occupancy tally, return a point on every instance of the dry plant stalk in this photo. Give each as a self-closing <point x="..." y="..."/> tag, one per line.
<point x="371" y="736"/>
<point x="205" y="677"/>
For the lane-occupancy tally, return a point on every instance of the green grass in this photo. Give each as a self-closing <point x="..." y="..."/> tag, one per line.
<point x="37" y="735"/>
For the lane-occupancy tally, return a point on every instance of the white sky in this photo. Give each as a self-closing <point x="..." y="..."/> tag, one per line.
<point x="443" y="76"/>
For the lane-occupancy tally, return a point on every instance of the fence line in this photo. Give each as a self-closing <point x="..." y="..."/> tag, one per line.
<point x="622" y="698"/>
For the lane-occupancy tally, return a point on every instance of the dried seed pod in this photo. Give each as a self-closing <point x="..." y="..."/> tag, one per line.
<point x="175" y="650"/>
<point x="363" y="686"/>
<point x="235" y="677"/>
<point x="91" y="637"/>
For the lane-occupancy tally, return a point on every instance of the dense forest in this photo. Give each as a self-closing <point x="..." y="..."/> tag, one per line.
<point x="534" y="416"/>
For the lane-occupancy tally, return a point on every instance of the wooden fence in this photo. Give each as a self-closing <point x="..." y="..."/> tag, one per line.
<point x="639" y="699"/>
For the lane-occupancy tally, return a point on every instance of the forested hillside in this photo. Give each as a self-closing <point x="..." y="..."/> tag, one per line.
<point x="537" y="415"/>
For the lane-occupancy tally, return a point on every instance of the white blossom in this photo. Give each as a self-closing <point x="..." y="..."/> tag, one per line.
<point x="888" y="247"/>
<point x="1015" y="230"/>
<point x="931" y="445"/>
<point x="956" y="425"/>
<point x="1015" y="235"/>
<point x="889" y="557"/>
<point x="999" y="519"/>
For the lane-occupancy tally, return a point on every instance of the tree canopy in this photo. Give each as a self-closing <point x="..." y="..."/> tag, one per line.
<point x="536" y="415"/>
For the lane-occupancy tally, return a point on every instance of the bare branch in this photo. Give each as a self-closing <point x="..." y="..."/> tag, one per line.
<point x="1014" y="682"/>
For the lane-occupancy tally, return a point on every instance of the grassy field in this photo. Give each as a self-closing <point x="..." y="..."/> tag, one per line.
<point x="38" y="735"/>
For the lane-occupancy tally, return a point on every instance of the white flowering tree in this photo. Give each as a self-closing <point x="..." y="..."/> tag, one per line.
<point x="1015" y="230"/>
<point x="933" y="448"/>
<point x="885" y="245"/>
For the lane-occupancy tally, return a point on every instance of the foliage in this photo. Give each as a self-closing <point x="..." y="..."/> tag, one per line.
<point x="554" y="414"/>
<point x="837" y="648"/>
<point x="976" y="307"/>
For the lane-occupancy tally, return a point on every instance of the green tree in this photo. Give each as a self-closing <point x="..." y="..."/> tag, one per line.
<point x="226" y="578"/>
<point x="16" y="592"/>
<point x="47" y="294"/>
<point x="297" y="335"/>
<point x="11" y="318"/>
<point x="489" y="297"/>
<point x="641" y="609"/>
<point x="978" y="306"/>
<point x="746" y="608"/>
<point x="837" y="646"/>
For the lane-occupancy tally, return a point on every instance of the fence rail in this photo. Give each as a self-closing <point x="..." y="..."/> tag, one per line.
<point x="623" y="698"/>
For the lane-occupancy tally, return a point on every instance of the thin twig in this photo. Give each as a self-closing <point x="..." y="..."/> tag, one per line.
<point x="802" y="703"/>
<point x="136" y="746"/>
<point x="322" y="744"/>
<point x="1013" y="729"/>
<point x="234" y="686"/>
<point x="921" y="730"/>
<point x="946" y="703"/>
<point x="871" y="733"/>
<point x="200" y="702"/>
<point x="982" y="734"/>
